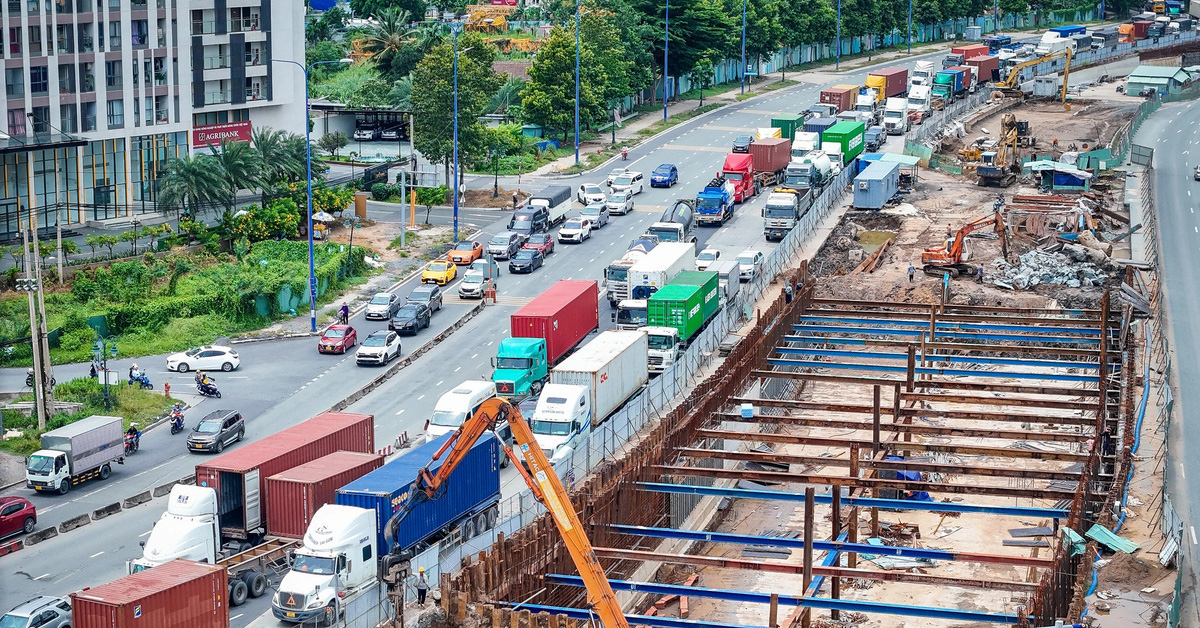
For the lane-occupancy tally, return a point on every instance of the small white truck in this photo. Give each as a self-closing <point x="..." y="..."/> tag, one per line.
<point x="76" y="453"/>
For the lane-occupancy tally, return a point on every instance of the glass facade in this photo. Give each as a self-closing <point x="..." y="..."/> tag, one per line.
<point x="148" y="157"/>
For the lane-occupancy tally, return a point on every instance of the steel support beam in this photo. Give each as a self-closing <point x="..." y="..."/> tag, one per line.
<point x="942" y="346"/>
<point x="1024" y="389"/>
<point x="950" y="359"/>
<point x="864" y="502"/>
<point x="947" y="323"/>
<point x="768" y="419"/>
<point x="961" y="335"/>
<point x="819" y="570"/>
<point x="927" y="370"/>
<point x="973" y="450"/>
<point x="952" y="310"/>
<point x="986" y="400"/>
<point x="942" y="413"/>
<point x="654" y="621"/>
<point x="873" y="483"/>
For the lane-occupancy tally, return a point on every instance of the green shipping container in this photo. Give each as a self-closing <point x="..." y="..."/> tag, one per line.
<point x="706" y="279"/>
<point x="849" y="135"/>
<point x="788" y="124"/>
<point x="680" y="307"/>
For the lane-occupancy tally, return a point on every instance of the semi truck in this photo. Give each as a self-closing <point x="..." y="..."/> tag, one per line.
<point x="542" y="333"/>
<point x="805" y="143"/>
<point x="888" y="82"/>
<point x="557" y="201"/>
<point x="987" y="68"/>
<point x="714" y="204"/>
<point x="848" y="136"/>
<point x="919" y="101"/>
<point x="76" y="453"/>
<point x="762" y="167"/>
<point x="297" y="493"/>
<point x="182" y="593"/>
<point x="659" y="267"/>
<point x="895" y="116"/>
<point x="840" y="96"/>
<point x="969" y="78"/>
<point x="813" y="170"/>
<point x="948" y="85"/>
<point x="785" y="207"/>
<point x="867" y="103"/>
<point x="616" y="275"/>
<point x="676" y="223"/>
<point x="677" y="313"/>
<point x="922" y="74"/>
<point x="1052" y="42"/>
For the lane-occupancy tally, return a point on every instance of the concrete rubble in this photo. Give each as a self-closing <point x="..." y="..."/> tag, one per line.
<point x="1072" y="268"/>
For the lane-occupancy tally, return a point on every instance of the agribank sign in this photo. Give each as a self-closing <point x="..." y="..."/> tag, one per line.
<point x="202" y="136"/>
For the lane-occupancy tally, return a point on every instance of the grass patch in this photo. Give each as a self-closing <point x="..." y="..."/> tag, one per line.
<point x="530" y="160"/>
<point x="131" y="403"/>
<point x="410" y="239"/>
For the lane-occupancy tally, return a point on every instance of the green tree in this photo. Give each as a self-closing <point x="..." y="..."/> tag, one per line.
<point x="697" y="26"/>
<point x="92" y="241"/>
<point x="154" y="233"/>
<point x="239" y="167"/>
<point x="325" y="51"/>
<point x="333" y="142"/>
<point x="763" y="30"/>
<point x="600" y="35"/>
<point x="549" y="98"/>
<point x="432" y="98"/>
<point x="701" y="76"/>
<point x="388" y="36"/>
<point x="372" y="94"/>
<point x="508" y="95"/>
<point x="400" y="98"/>
<point x="132" y="236"/>
<point x="432" y="196"/>
<point x="190" y="183"/>
<point x="372" y="8"/>
<point x="279" y="160"/>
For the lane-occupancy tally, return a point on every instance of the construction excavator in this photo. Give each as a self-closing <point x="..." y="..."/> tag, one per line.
<point x="952" y="257"/>
<point x="541" y="479"/>
<point x="999" y="167"/>
<point x="1010" y="86"/>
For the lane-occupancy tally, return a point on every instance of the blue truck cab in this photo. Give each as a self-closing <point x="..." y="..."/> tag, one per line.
<point x="714" y="204"/>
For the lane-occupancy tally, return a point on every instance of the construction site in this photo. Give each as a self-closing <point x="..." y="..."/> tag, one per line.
<point x="935" y="430"/>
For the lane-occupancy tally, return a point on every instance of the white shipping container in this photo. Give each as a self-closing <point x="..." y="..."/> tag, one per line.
<point x="659" y="267"/>
<point x="612" y="366"/>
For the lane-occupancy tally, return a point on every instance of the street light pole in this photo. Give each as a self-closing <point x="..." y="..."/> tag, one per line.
<point x="666" y="56"/>
<point x="909" y="38"/>
<point x="577" y="16"/>
<point x="455" y="27"/>
<point x="312" y="270"/>
<point x="743" y="72"/>
<point x="837" y="63"/>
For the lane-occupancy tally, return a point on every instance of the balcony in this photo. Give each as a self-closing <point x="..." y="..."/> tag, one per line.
<point x="14" y="90"/>
<point x="160" y="78"/>
<point x="85" y="44"/>
<point x="204" y="28"/>
<point x="160" y="117"/>
<point x="138" y="5"/>
<point x="254" y="57"/>
<point x="64" y="47"/>
<point x="215" y="63"/>
<point x="216" y="98"/>
<point x="14" y="7"/>
<point x="253" y="95"/>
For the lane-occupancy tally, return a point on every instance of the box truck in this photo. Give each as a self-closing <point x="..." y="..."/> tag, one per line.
<point x="76" y="453"/>
<point x="179" y="594"/>
<point x="556" y="199"/>
<point x="677" y="313"/>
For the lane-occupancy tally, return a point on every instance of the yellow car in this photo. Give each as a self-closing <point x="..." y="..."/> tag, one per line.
<point x="440" y="272"/>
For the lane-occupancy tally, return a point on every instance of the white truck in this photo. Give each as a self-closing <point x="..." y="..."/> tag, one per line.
<point x="918" y="100"/>
<point x="191" y="529"/>
<point x="616" y="276"/>
<point x="922" y="74"/>
<point x="1051" y="43"/>
<point x="337" y="561"/>
<point x="813" y="170"/>
<point x="603" y="374"/>
<point x="75" y="453"/>
<point x="557" y="201"/>
<point x="805" y="143"/>
<point x="895" y="116"/>
<point x="867" y="102"/>
<point x="660" y="266"/>
<point x="631" y="314"/>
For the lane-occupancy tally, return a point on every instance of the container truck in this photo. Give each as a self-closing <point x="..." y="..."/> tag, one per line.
<point x="761" y="167"/>
<point x="557" y="201"/>
<point x="659" y="267"/>
<point x="848" y="136"/>
<point x="820" y="110"/>
<point x="968" y="78"/>
<point x="840" y="96"/>
<point x="630" y="314"/>
<point x="888" y="82"/>
<point x="179" y="594"/>
<point x="805" y="143"/>
<point x="612" y="367"/>
<point x="895" y="116"/>
<point x="560" y="318"/>
<point x="616" y="276"/>
<point x="948" y="85"/>
<point x="818" y="125"/>
<point x="788" y="124"/>
<point x="1052" y="42"/>
<point x="677" y="313"/>
<point x="813" y="170"/>
<point x="239" y="476"/>
<point x="922" y="74"/>
<point x="728" y="278"/>
<point x="867" y="103"/>
<point x="76" y="453"/>
<point x="987" y="68"/>
<point x="676" y="223"/>
<point x="714" y="204"/>
<point x="876" y="185"/>
<point x="785" y="207"/>
<point x="297" y="493"/>
<point x="918" y="101"/>
<point x="338" y="560"/>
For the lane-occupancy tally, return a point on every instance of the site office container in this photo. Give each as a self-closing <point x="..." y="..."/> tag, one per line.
<point x="297" y="493"/>
<point x="840" y="96"/>
<point x="562" y="315"/>
<point x="471" y="490"/>
<point x="178" y="594"/>
<point x="612" y="366"/>
<point x="239" y="477"/>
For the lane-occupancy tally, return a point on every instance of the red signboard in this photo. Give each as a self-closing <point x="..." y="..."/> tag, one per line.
<point x="213" y="133"/>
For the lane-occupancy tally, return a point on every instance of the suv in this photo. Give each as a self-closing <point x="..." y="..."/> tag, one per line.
<point x="216" y="430"/>
<point x="504" y="245"/>
<point x="429" y="294"/>
<point x="530" y="220"/>
<point x="17" y="515"/>
<point x="40" y="612"/>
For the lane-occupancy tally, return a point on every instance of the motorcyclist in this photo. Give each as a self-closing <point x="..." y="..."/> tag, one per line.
<point x="624" y="154"/>
<point x="200" y="377"/>
<point x="177" y="416"/>
<point x="133" y="372"/>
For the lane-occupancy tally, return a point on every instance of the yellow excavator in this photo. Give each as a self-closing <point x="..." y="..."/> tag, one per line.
<point x="1010" y="86"/>
<point x="997" y="168"/>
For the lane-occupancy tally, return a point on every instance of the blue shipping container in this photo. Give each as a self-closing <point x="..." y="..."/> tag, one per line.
<point x="472" y="488"/>
<point x="1068" y="31"/>
<point x="818" y="125"/>
<point x="876" y="185"/>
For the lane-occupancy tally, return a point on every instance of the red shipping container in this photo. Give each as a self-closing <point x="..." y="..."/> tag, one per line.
<point x="562" y="315"/>
<point x="239" y="477"/>
<point x="840" y="97"/>
<point x="987" y="67"/>
<point x="179" y="594"/>
<point x="771" y="154"/>
<point x="297" y="493"/>
<point x="973" y="50"/>
<point x="1140" y="28"/>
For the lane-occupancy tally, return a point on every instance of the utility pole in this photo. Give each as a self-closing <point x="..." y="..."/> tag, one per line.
<point x="43" y="392"/>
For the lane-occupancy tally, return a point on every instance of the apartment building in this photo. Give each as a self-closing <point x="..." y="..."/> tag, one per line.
<point x="101" y="94"/>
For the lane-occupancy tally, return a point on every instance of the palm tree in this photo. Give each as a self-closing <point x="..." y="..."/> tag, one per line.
<point x="401" y="94"/>
<point x="388" y="35"/>
<point x="190" y="183"/>
<point x="279" y="163"/>
<point x="508" y="94"/>
<point x="238" y="167"/>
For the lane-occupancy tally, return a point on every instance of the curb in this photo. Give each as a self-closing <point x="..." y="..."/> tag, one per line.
<point x="40" y="535"/>
<point x="11" y="546"/>
<point x="136" y="500"/>
<point x="74" y="522"/>
<point x="105" y="511"/>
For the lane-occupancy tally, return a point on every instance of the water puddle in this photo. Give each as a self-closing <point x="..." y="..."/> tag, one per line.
<point x="872" y="240"/>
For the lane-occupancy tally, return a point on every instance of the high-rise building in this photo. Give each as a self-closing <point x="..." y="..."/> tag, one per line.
<point x="101" y="94"/>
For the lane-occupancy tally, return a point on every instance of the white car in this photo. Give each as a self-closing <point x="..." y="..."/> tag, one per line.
<point x="382" y="306"/>
<point x="706" y="258"/>
<point x="206" y="358"/>
<point x="750" y="264"/>
<point x="620" y="202"/>
<point x="597" y="214"/>
<point x="631" y="181"/>
<point x="616" y="172"/>
<point x="589" y="193"/>
<point x="575" y="230"/>
<point x="378" y="348"/>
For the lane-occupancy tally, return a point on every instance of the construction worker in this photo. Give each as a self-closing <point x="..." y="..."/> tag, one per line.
<point x="911" y="272"/>
<point x="422" y="586"/>
<point x="787" y="292"/>
<point x="979" y="277"/>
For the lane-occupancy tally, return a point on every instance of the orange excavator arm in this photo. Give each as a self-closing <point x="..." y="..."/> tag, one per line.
<point x="945" y="257"/>
<point x="542" y="481"/>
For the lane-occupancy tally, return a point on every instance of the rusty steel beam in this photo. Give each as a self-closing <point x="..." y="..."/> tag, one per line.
<point x="1028" y="389"/>
<point x="874" y="483"/>
<point x="999" y="401"/>
<point x="1079" y="422"/>
<point x="829" y="572"/>
<point x="950" y="310"/>
<point x="1018" y="435"/>
<point x="896" y="465"/>
<point x="949" y="346"/>
<point x="826" y="377"/>
<point x="971" y="450"/>
<point x="948" y="413"/>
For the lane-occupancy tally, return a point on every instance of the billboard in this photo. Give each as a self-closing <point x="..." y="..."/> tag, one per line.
<point x="213" y="133"/>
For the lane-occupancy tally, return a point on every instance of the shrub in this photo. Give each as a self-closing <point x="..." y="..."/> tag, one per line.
<point x="381" y="191"/>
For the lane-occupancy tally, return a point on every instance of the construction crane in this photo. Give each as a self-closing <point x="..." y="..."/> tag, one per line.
<point x="1010" y="86"/>
<point x="951" y="257"/>
<point x="541" y="479"/>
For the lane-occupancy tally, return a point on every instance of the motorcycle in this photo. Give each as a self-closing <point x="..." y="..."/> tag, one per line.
<point x="142" y="381"/>
<point x="208" y="390"/>
<point x="131" y="442"/>
<point x="176" y="422"/>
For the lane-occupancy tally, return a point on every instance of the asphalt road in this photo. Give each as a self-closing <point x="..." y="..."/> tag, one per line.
<point x="286" y="381"/>
<point x="1174" y="133"/>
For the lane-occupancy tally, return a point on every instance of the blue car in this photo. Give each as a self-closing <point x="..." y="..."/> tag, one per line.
<point x="664" y="176"/>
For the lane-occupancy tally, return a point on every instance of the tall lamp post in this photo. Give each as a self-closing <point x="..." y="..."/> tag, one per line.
<point x="837" y="63"/>
<point x="577" y="16"/>
<point x="312" y="271"/>
<point x="743" y="46"/>
<point x="666" y="56"/>
<point x="456" y="27"/>
<point x="909" y="38"/>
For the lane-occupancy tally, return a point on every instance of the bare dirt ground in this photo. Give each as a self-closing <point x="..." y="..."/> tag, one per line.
<point x="1088" y="124"/>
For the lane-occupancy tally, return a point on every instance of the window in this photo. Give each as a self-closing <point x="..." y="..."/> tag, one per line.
<point x="14" y="83"/>
<point x="68" y="115"/>
<point x="87" y="78"/>
<point x="366" y="554"/>
<point x="14" y="40"/>
<point x="41" y="119"/>
<point x="66" y="78"/>
<point x="39" y="80"/>
<point x="114" y="35"/>
<point x="35" y="40"/>
<point x="85" y="38"/>
<point x="65" y="38"/>
<point x="137" y="111"/>
<point x="116" y="114"/>
<point x="243" y="19"/>
<point x="89" y="116"/>
<point x="112" y="74"/>
<point x="16" y="122"/>
<point x="139" y="33"/>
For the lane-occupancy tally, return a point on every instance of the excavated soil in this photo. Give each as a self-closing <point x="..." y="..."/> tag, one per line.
<point x="1087" y="125"/>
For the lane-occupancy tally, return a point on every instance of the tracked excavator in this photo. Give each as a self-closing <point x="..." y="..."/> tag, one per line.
<point x="952" y="257"/>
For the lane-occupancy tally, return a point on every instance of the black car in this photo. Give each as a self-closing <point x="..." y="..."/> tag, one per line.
<point x="741" y="143"/>
<point x="530" y="220"/>
<point x="410" y="318"/>
<point x="216" y="430"/>
<point x="526" y="261"/>
<point x="429" y="294"/>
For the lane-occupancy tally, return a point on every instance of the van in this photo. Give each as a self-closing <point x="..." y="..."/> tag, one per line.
<point x="562" y="417"/>
<point x="456" y="406"/>
<point x="530" y="220"/>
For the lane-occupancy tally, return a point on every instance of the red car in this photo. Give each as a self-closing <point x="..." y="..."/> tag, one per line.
<point x="337" y="339"/>
<point x="17" y="515"/>
<point x="540" y="242"/>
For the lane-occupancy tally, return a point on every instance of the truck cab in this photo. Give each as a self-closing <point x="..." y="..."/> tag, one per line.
<point x="630" y="314"/>
<point x="867" y="102"/>
<point x="338" y="559"/>
<point x="714" y="204"/>
<point x="782" y="211"/>
<point x="562" y="416"/>
<point x="520" y="366"/>
<point x="895" y="116"/>
<point x="76" y="452"/>
<point x="922" y="74"/>
<point x="189" y="529"/>
<point x="665" y="347"/>
<point x="805" y="143"/>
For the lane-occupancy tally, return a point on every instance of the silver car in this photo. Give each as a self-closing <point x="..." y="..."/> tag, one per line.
<point x="597" y="213"/>
<point x="383" y="306"/>
<point x="620" y="202"/>
<point x="40" y="612"/>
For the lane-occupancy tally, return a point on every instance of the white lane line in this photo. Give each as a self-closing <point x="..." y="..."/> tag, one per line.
<point x="1189" y="192"/>
<point x="96" y="554"/>
<point x="144" y="533"/>
<point x="474" y="356"/>
<point x="1181" y="471"/>
<point x="41" y="576"/>
<point x="613" y="243"/>
<point x="236" y="616"/>
<point x="1192" y="528"/>
<point x="580" y="269"/>
<point x="400" y="412"/>
<point x="490" y="343"/>
<point x="592" y="260"/>
<point x="421" y="397"/>
<point x="458" y="369"/>
<point x="440" y="382"/>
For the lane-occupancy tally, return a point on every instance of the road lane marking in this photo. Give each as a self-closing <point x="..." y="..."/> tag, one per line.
<point x="96" y="554"/>
<point x="592" y="260"/>
<point x="144" y="533"/>
<point x="580" y="269"/>
<point x="46" y="574"/>
<point x="1181" y="471"/>
<point x="474" y="356"/>
<point x="236" y="616"/>
<point x="400" y="412"/>
<point x="457" y="369"/>
<point x="1192" y="528"/>
<point x="421" y="397"/>
<point x="440" y="382"/>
